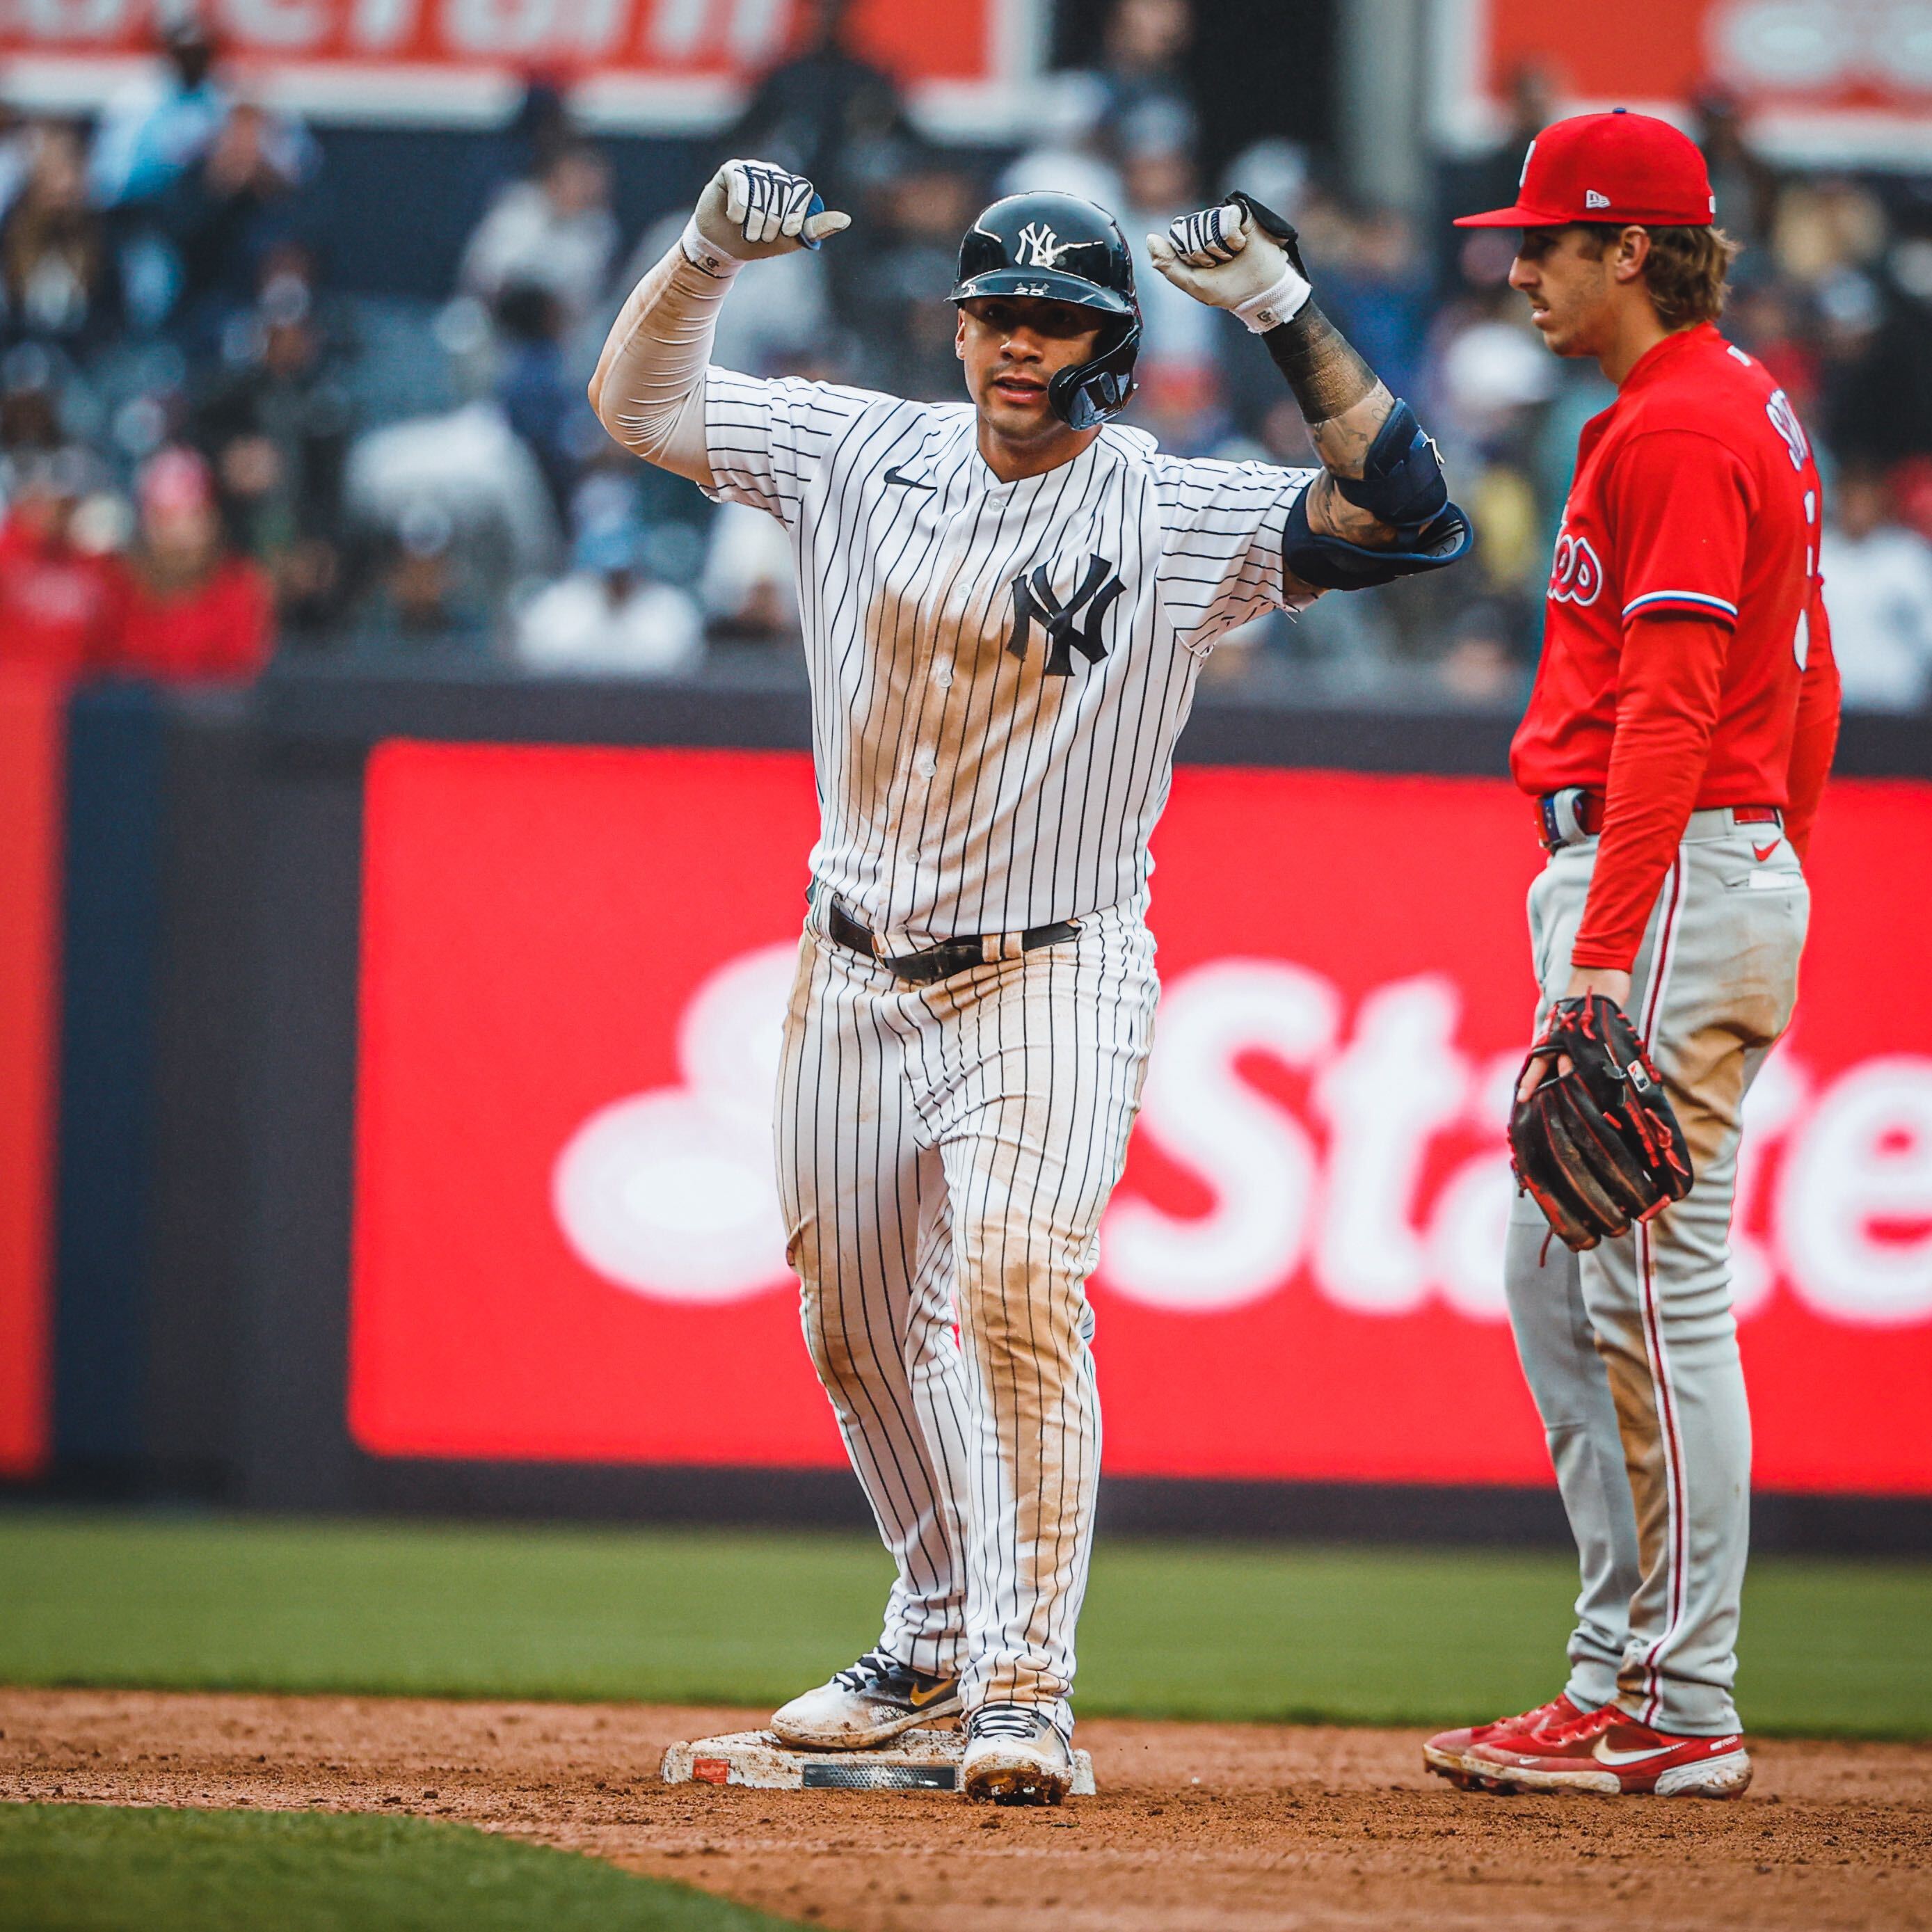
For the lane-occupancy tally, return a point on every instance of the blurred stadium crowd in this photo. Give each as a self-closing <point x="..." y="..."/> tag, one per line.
<point x="208" y="454"/>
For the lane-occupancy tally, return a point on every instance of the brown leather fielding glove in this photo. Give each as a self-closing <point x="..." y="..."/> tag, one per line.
<point x="1599" y="1146"/>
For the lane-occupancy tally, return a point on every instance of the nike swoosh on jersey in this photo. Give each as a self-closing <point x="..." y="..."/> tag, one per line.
<point x="1603" y="1754"/>
<point x="910" y="482"/>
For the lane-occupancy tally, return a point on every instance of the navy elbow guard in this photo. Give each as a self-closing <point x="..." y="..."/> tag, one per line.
<point x="1331" y="563"/>
<point x="1402" y="485"/>
<point x="1401" y="480"/>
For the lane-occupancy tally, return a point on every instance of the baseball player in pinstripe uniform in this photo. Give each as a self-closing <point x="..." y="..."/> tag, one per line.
<point x="1006" y="603"/>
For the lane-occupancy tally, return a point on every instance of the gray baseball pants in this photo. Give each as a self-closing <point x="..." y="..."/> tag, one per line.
<point x="1630" y="1348"/>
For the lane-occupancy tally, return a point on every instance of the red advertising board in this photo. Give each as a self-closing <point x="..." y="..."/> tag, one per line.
<point x="1816" y="78"/>
<point x="32" y="715"/>
<point x="660" y="63"/>
<point x="567" y="1247"/>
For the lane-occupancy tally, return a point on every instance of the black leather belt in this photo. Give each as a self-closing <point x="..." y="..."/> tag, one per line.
<point x="1564" y="818"/>
<point x="950" y="956"/>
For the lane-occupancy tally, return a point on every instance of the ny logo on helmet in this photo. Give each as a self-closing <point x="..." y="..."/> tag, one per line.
<point x="1040" y="247"/>
<point x="1034" y="602"/>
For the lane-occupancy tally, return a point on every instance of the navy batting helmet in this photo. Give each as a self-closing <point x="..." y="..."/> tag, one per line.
<point x="1057" y="247"/>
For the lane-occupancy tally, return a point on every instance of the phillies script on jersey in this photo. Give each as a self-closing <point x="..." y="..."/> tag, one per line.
<point x="567" y="1247"/>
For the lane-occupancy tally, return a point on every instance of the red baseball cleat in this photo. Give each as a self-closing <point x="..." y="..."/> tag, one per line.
<point x="1446" y="1753"/>
<point x="1610" y="1752"/>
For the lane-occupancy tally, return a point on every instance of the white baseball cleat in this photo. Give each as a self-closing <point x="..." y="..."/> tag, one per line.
<point x="876" y="1699"/>
<point x="1014" y="1755"/>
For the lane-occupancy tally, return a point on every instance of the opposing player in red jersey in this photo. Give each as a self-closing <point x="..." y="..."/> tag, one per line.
<point x="1676" y="744"/>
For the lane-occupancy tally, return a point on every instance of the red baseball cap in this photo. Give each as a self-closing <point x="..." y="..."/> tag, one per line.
<point x="1613" y="167"/>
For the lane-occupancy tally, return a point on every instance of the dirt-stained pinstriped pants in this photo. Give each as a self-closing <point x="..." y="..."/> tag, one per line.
<point x="945" y="1153"/>
<point x="1631" y="1348"/>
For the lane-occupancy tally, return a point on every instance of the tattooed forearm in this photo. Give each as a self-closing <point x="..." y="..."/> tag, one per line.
<point x="1331" y="513"/>
<point x="1326" y="374"/>
<point x="1342" y="400"/>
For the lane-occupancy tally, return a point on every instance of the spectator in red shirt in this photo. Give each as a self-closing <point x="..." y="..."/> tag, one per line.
<point x="61" y="606"/>
<point x="195" y="610"/>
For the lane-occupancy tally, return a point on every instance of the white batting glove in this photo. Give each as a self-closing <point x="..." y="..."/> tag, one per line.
<point x="1222" y="257"/>
<point x="750" y="210"/>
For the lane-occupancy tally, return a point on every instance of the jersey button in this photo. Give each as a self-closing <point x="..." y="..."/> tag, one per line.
<point x="925" y="765"/>
<point x="942" y="675"/>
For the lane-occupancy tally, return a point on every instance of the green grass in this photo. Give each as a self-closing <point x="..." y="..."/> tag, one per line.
<point x="1177" y="1629"/>
<point x="101" y="1868"/>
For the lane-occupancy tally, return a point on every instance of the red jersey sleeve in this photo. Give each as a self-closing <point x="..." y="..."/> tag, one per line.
<point x="1672" y="671"/>
<point x="1679" y="505"/>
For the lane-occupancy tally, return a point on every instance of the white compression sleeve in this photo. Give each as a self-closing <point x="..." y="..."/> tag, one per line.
<point x="648" y="390"/>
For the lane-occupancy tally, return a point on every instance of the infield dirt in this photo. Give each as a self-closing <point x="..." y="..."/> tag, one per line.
<point x="1196" y="1826"/>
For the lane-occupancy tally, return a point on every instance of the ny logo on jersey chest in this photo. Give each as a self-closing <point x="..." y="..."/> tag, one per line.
<point x="1066" y="632"/>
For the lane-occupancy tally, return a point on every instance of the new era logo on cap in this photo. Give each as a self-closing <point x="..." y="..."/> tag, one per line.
<point x="1591" y="199"/>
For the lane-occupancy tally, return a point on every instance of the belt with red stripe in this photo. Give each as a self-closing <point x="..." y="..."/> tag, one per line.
<point x="1564" y="818"/>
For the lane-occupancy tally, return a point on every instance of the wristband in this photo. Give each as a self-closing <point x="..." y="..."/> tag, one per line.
<point x="1273" y="306"/>
<point x="704" y="253"/>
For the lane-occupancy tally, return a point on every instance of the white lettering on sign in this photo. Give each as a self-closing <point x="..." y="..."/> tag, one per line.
<point x="757" y="28"/>
<point x="752" y="29"/>
<point x="1856" y="1210"/>
<point x="287" y="24"/>
<point x="677" y="27"/>
<point x="73" y="19"/>
<point x="598" y="25"/>
<point x="375" y="25"/>
<point x="1804" y="45"/>
<point x="1252" y="1155"/>
<point x="1400" y="1082"/>
<point x="502" y="26"/>
<point x="1777" y="1098"/>
<point x="671" y="1193"/>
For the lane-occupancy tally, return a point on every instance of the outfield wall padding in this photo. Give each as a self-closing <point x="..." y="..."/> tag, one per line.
<point x="209" y="1053"/>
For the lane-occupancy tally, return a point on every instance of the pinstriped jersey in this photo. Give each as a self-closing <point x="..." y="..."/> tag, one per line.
<point x="999" y="671"/>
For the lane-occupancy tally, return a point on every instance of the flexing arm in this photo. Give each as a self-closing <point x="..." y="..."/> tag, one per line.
<point x="1381" y="486"/>
<point x="649" y="389"/>
<point x="1345" y="405"/>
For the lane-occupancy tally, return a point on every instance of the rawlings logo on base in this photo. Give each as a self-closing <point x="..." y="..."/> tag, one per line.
<point x="919" y="1760"/>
